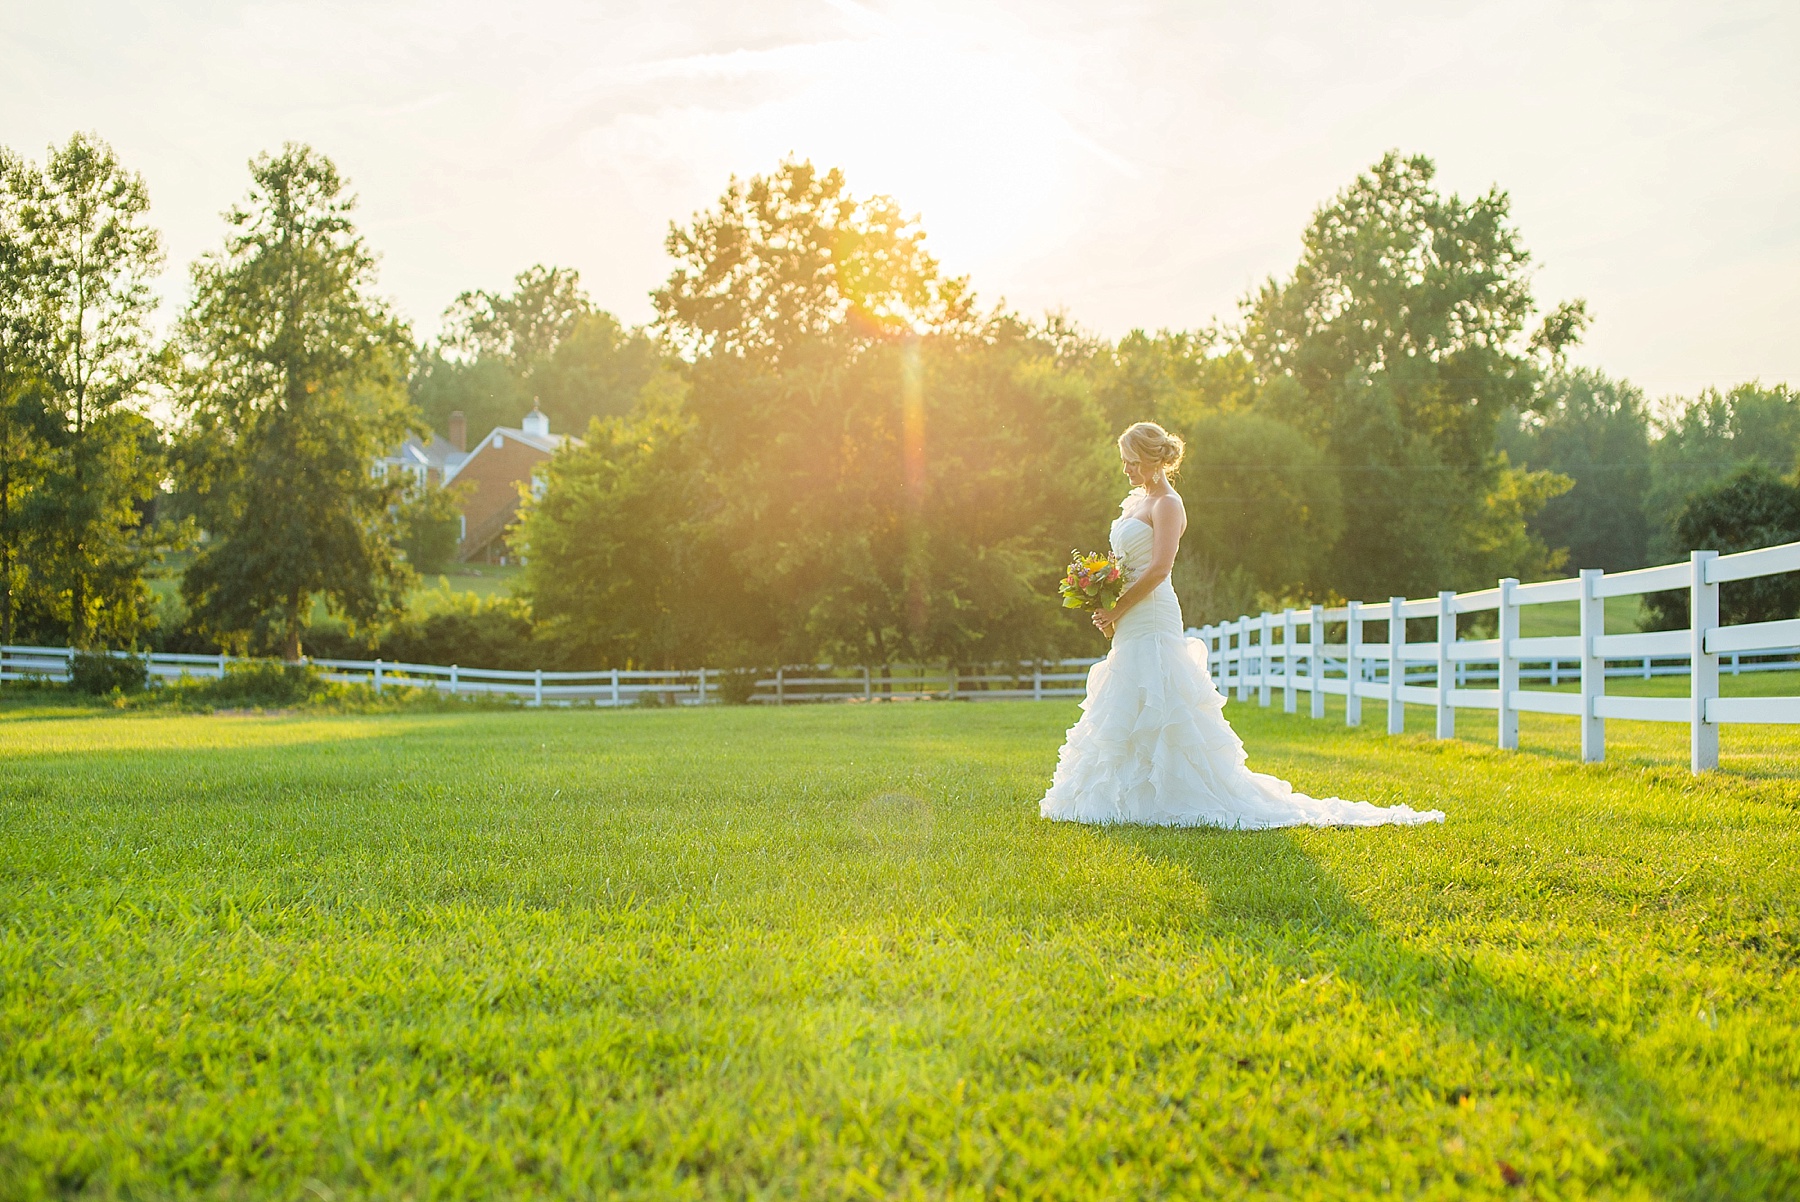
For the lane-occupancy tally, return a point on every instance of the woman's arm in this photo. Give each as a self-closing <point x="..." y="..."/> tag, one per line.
<point x="1167" y="522"/>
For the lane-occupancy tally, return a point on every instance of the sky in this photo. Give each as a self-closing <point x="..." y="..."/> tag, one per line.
<point x="1135" y="165"/>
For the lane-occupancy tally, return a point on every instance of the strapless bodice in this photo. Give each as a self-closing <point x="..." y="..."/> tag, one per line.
<point x="1131" y="539"/>
<point x="1160" y="612"/>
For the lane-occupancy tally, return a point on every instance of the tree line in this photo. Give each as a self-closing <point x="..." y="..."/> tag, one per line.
<point x="823" y="447"/>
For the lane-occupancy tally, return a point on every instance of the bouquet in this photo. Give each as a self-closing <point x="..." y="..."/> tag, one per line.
<point x="1094" y="581"/>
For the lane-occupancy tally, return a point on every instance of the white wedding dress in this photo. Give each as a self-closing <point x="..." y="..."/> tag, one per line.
<point x="1152" y="745"/>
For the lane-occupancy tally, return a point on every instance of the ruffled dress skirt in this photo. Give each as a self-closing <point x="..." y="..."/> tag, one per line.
<point x="1152" y="746"/>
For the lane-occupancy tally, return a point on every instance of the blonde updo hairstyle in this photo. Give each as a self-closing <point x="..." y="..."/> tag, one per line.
<point x="1149" y="445"/>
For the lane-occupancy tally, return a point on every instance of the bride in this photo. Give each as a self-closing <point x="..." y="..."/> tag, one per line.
<point x="1152" y="745"/>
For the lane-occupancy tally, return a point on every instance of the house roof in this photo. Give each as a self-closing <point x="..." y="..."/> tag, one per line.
<point x="547" y="443"/>
<point x="437" y="453"/>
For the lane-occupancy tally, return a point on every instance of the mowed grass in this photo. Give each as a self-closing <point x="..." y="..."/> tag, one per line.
<point x="833" y="952"/>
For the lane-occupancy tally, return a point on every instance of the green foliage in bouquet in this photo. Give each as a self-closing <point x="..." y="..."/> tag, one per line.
<point x="1093" y="581"/>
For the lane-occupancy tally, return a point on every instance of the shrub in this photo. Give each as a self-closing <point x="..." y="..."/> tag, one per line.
<point x="736" y="685"/>
<point x="99" y="673"/>
<point x="259" y="683"/>
<point x="1755" y="508"/>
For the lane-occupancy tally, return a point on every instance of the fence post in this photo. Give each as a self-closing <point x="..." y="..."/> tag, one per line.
<point x="1509" y="667"/>
<point x="1037" y="681"/>
<point x="537" y="686"/>
<point x="868" y="685"/>
<point x="954" y="673"/>
<point x="1289" y="700"/>
<point x="1315" y="663"/>
<point x="780" y="698"/>
<point x="453" y="682"/>
<point x="1593" y="667"/>
<point x="1240" y="659"/>
<point x="1703" y="678"/>
<point x="1396" y="664"/>
<point x="1264" y="653"/>
<point x="1353" y="665"/>
<point x="378" y="677"/>
<point x="1446" y="680"/>
<point x="702" y="686"/>
<point x="221" y="665"/>
<point x="615" y="686"/>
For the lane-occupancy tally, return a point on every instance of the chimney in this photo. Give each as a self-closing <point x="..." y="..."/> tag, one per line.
<point x="459" y="431"/>
<point x="536" y="423"/>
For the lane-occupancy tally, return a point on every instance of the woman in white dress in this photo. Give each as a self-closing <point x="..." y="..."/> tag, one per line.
<point x="1152" y="745"/>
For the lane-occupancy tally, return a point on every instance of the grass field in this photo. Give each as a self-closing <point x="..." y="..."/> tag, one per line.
<point x="833" y="952"/>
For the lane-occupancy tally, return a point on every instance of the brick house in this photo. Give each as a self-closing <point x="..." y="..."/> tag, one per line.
<point x="492" y="474"/>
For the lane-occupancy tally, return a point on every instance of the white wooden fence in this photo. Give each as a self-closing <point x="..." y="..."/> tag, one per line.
<point x="1288" y="651"/>
<point x="1248" y="655"/>
<point x="618" y="686"/>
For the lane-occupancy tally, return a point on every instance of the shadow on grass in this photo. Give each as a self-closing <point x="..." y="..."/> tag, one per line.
<point x="1287" y="908"/>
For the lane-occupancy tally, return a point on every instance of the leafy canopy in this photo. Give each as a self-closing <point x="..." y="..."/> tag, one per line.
<point x="541" y="344"/>
<point x="294" y="385"/>
<point x="791" y="258"/>
<point x="1402" y="336"/>
<point x="81" y="267"/>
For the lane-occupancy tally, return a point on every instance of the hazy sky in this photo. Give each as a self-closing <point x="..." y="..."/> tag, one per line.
<point x="1134" y="164"/>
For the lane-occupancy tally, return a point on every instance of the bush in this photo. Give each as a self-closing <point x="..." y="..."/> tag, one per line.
<point x="1755" y="508"/>
<point x="735" y="686"/>
<point x="494" y="634"/>
<point x="99" y="673"/>
<point x="261" y="683"/>
<point x="431" y="528"/>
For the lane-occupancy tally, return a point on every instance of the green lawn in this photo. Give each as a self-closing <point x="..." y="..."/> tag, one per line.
<point x="833" y="952"/>
<point x="1623" y="616"/>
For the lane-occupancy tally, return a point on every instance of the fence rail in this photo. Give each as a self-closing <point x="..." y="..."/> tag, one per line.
<point x="790" y="684"/>
<point x="1247" y="656"/>
<point x="1447" y="672"/>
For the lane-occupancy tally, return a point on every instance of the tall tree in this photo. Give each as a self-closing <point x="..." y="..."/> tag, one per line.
<point x="1705" y="441"/>
<point x="294" y="383"/>
<point x="1596" y="431"/>
<point x="1172" y="377"/>
<point x="94" y="257"/>
<point x="792" y="263"/>
<point x="1398" y="343"/>
<point x="524" y="327"/>
<point x="1751" y="508"/>
<point x="22" y="425"/>
<point x="857" y="471"/>
<point x="543" y="343"/>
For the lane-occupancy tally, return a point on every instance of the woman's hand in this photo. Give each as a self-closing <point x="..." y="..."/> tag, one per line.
<point x="1105" y="620"/>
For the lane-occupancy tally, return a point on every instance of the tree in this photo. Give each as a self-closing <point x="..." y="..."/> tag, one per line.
<point x="1263" y="513"/>
<point x="92" y="260"/>
<point x="1705" y="441"/>
<point x="294" y="384"/>
<point x="1753" y="508"/>
<point x="23" y="420"/>
<point x="620" y="566"/>
<point x="792" y="262"/>
<point x="543" y="343"/>
<point x="1596" y="431"/>
<point x="856" y="471"/>
<point x="1171" y="377"/>
<point x="430" y="526"/>
<point x="1398" y="342"/>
